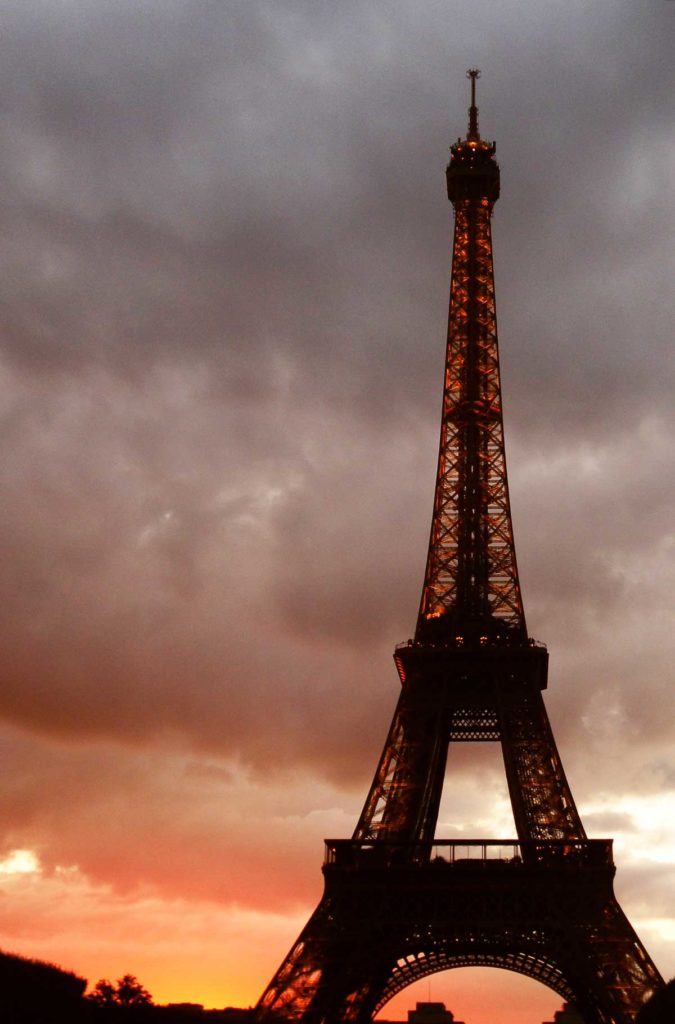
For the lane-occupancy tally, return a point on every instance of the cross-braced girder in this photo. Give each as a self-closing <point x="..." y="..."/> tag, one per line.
<point x="471" y="579"/>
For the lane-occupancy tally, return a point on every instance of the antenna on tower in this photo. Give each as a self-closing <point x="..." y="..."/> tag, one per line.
<point x="473" y="74"/>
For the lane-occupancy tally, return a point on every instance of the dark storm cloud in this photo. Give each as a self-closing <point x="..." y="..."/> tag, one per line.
<point x="225" y="270"/>
<point x="247" y="176"/>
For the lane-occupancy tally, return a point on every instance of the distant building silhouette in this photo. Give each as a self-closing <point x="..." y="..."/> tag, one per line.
<point x="426" y="1013"/>
<point x="432" y="1013"/>
<point x="568" y="1015"/>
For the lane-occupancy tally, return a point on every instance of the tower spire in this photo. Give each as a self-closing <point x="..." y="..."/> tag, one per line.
<point x="473" y="134"/>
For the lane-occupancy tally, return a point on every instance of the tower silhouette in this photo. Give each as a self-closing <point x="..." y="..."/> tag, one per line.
<point x="399" y="904"/>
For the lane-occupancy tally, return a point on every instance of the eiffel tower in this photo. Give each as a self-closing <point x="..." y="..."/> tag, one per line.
<point x="398" y="904"/>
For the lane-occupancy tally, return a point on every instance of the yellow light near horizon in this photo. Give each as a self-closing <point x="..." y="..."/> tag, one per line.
<point x="19" y="862"/>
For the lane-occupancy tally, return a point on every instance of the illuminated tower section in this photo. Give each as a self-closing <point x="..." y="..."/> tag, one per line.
<point x="471" y="583"/>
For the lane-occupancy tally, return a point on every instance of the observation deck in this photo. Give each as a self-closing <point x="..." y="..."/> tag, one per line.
<point x="469" y="855"/>
<point x="514" y="663"/>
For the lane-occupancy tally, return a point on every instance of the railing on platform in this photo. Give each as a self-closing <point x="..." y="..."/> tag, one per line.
<point x="459" y="642"/>
<point x="477" y="853"/>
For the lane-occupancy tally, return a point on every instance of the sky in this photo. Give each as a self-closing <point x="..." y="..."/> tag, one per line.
<point x="225" y="266"/>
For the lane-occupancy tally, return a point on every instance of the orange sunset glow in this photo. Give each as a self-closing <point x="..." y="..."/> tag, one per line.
<point x="226" y="246"/>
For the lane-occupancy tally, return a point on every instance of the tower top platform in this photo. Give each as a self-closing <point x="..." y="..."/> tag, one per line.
<point x="473" y="172"/>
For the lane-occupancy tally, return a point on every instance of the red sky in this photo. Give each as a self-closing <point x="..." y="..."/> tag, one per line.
<point x="225" y="273"/>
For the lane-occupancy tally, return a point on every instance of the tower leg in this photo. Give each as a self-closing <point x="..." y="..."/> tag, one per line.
<point x="542" y="802"/>
<point x="405" y="796"/>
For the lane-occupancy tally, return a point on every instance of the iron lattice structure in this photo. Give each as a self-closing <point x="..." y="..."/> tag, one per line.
<point x="471" y="580"/>
<point x="399" y="905"/>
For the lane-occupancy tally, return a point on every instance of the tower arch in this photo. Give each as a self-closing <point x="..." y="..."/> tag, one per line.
<point x="535" y="966"/>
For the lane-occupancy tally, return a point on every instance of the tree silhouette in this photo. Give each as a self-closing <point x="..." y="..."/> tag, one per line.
<point x="103" y="993"/>
<point x="660" y="1009"/>
<point x="127" y="992"/>
<point x="130" y="992"/>
<point x="32" y="990"/>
